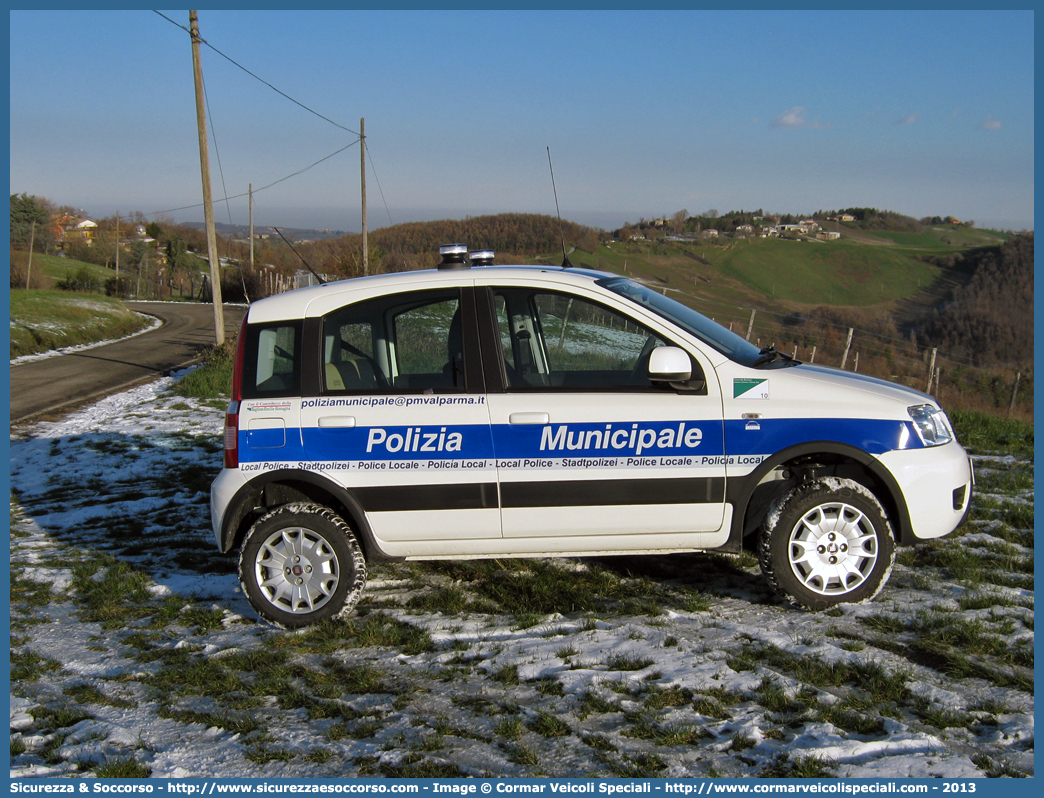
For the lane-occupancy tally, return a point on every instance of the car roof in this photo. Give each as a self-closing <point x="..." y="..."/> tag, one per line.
<point x="305" y="301"/>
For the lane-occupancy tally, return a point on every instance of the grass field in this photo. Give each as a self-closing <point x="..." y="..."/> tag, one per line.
<point x="57" y="268"/>
<point x="45" y="320"/>
<point x="920" y="240"/>
<point x="773" y="270"/>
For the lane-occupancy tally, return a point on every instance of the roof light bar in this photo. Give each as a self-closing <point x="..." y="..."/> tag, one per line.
<point x="482" y="257"/>
<point x="454" y="256"/>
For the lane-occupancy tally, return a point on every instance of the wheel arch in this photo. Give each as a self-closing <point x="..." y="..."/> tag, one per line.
<point x="275" y="488"/>
<point x="752" y="494"/>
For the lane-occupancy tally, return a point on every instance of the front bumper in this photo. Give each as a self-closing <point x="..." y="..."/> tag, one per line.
<point x="937" y="486"/>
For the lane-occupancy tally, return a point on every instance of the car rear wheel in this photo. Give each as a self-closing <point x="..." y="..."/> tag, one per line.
<point x="301" y="564"/>
<point x="827" y="541"/>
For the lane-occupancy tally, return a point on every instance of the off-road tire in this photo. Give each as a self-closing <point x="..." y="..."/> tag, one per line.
<point x="324" y="582"/>
<point x="827" y="541"/>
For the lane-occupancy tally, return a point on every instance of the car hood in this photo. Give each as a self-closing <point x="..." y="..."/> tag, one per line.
<point x="861" y="382"/>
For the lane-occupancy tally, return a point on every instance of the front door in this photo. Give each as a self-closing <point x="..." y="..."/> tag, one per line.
<point x="586" y="446"/>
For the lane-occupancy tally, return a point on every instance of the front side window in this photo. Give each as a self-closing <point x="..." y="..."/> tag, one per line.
<point x="710" y="332"/>
<point x="555" y="340"/>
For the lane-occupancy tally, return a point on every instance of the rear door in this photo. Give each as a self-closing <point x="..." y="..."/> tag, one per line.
<point x="402" y="421"/>
<point x="270" y="411"/>
<point x="587" y="448"/>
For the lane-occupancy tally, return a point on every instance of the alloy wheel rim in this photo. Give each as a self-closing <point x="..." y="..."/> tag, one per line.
<point x="296" y="570"/>
<point x="832" y="549"/>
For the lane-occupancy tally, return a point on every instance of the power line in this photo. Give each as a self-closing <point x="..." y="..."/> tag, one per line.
<point x="259" y="79"/>
<point x="217" y="151"/>
<point x="262" y="188"/>
<point x="282" y="94"/>
<point x="369" y="154"/>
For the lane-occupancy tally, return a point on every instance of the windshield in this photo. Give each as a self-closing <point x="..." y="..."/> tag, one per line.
<point x="733" y="346"/>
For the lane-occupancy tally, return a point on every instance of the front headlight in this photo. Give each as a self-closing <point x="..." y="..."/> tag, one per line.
<point x="931" y="424"/>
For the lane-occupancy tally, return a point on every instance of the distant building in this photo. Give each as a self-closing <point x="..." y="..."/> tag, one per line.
<point x="75" y="227"/>
<point x="827" y="235"/>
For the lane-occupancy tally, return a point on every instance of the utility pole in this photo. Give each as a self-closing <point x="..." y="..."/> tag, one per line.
<point x="204" y="165"/>
<point x="32" y="239"/>
<point x="362" y="161"/>
<point x="117" y="251"/>
<point x="250" y="192"/>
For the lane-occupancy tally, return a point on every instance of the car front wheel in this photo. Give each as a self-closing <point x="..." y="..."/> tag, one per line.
<point x="827" y="541"/>
<point x="301" y="564"/>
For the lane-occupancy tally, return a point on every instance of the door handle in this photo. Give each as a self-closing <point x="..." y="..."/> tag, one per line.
<point x="529" y="418"/>
<point x="337" y="421"/>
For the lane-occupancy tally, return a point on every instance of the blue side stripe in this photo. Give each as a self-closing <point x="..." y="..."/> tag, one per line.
<point x="767" y="436"/>
<point x="505" y="441"/>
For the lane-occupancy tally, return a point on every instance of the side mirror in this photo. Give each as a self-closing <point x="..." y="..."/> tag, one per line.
<point x="669" y="364"/>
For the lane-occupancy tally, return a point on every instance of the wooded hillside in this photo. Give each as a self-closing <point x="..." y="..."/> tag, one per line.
<point x="525" y="235"/>
<point x="990" y="319"/>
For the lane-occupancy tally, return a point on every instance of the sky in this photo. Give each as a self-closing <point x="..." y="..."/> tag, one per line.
<point x="643" y="113"/>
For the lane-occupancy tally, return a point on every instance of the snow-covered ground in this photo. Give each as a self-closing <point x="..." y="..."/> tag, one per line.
<point x="134" y="651"/>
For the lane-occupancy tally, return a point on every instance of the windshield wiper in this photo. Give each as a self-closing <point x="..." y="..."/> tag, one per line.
<point x="770" y="354"/>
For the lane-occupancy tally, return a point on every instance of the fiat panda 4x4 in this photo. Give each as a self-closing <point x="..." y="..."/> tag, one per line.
<point x="529" y="411"/>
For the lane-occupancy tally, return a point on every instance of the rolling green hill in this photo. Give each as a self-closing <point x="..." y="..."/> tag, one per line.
<point x="779" y="272"/>
<point x="951" y="237"/>
<point x="58" y="268"/>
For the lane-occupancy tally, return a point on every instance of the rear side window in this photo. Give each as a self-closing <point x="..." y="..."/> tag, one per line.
<point x="403" y="342"/>
<point x="429" y="347"/>
<point x="272" y="360"/>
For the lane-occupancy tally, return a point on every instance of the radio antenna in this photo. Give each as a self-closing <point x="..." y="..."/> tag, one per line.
<point x="561" y="229"/>
<point x="313" y="271"/>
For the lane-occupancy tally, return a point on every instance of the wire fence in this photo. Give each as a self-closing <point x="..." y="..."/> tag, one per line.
<point x="958" y="382"/>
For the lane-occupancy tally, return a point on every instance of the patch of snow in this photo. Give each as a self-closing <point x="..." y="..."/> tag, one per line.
<point x="68" y="350"/>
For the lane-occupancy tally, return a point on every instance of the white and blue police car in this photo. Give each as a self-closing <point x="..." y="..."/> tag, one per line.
<point x="531" y="411"/>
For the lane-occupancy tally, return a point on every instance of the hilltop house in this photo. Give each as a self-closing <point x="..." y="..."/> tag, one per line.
<point x="73" y="227"/>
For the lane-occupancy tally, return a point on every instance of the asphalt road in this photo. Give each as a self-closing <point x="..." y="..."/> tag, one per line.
<point x="42" y="386"/>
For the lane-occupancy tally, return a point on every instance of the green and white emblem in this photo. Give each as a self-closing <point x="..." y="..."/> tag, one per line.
<point x="750" y="388"/>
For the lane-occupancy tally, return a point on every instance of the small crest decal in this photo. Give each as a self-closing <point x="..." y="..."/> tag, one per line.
<point x="750" y="388"/>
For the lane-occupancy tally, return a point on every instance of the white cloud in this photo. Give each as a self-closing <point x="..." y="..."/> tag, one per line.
<point x="989" y="123"/>
<point x="794" y="118"/>
<point x="909" y="119"/>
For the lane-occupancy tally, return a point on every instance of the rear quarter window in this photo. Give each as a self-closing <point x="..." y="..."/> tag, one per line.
<point x="272" y="360"/>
